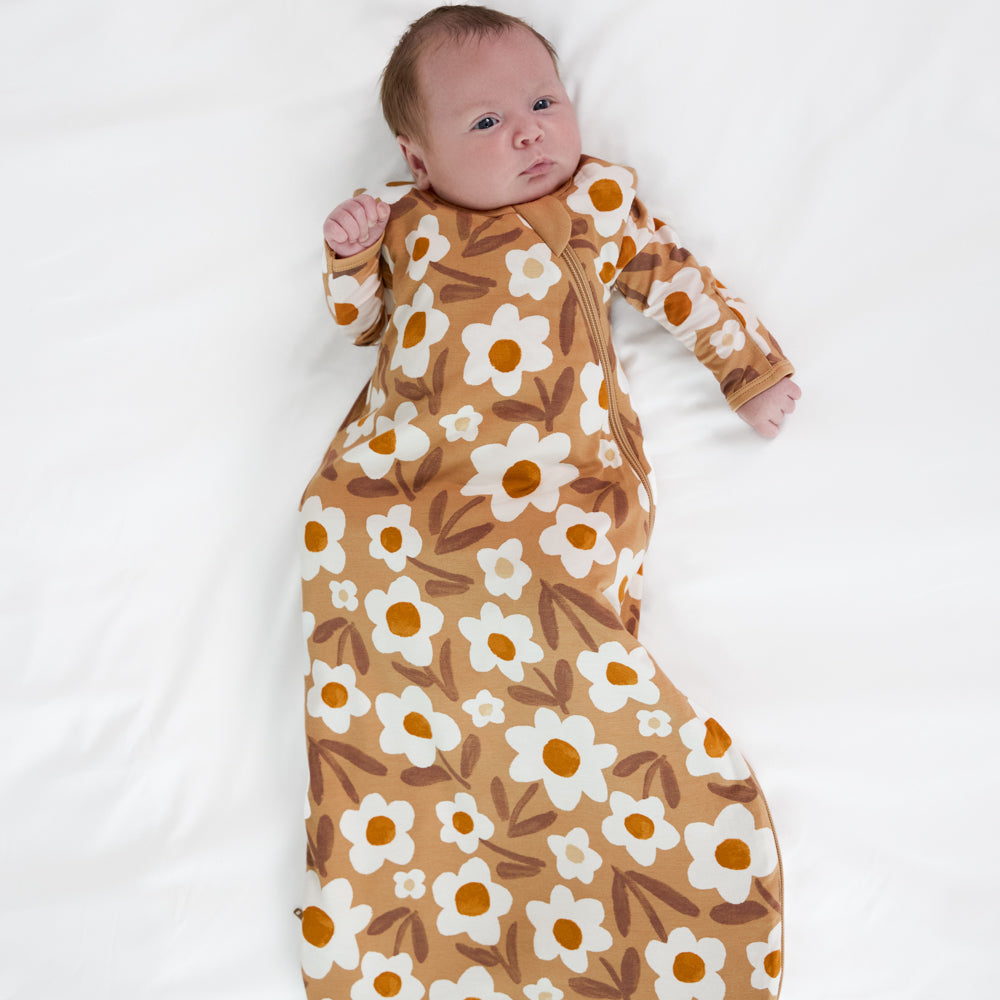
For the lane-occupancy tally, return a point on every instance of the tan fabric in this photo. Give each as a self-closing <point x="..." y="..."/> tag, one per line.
<point x="508" y="798"/>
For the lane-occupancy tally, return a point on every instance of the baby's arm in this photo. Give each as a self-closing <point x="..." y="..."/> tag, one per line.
<point x="355" y="225"/>
<point x="766" y="411"/>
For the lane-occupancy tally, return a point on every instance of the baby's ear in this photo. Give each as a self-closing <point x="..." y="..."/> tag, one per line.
<point x="414" y="157"/>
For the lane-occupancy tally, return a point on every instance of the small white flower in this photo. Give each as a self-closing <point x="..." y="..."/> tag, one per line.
<point x="404" y="622"/>
<point x="532" y="272"/>
<point x="712" y="750"/>
<point x="765" y="957"/>
<point x="628" y="578"/>
<point x="393" y="538"/>
<point x="354" y="305"/>
<point x="617" y="674"/>
<point x="579" y="538"/>
<point x="426" y="246"/>
<point x="462" y="823"/>
<point x="604" y="192"/>
<point x="594" y="409"/>
<point x="639" y="826"/>
<point x="484" y="709"/>
<point x="334" y="696"/>
<point x="506" y="349"/>
<point x="568" y="928"/>
<point x="686" y="967"/>
<point x="344" y="594"/>
<point x="474" y="982"/>
<point x="418" y="327"/>
<point x="382" y="978"/>
<point x="471" y="902"/>
<point x="330" y="926"/>
<point x="653" y="723"/>
<point x="395" y="438"/>
<point x="322" y="529"/>
<point x="409" y="885"/>
<point x="463" y="425"/>
<point x="543" y="990"/>
<point x="609" y="453"/>
<point x="412" y="727"/>
<point x="506" y="573"/>
<point x="500" y="641"/>
<point x="730" y="338"/>
<point x="574" y="856"/>
<point x="379" y="832"/>
<point x="681" y="305"/>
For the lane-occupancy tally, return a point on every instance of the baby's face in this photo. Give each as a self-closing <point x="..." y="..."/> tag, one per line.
<point x="499" y="126"/>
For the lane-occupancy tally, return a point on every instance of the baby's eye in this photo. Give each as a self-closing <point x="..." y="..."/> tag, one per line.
<point x="542" y="104"/>
<point x="484" y="123"/>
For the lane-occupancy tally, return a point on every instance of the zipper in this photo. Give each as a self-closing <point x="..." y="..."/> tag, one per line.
<point x="592" y="316"/>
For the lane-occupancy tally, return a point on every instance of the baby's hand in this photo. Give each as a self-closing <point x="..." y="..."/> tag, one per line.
<point x="355" y="225"/>
<point x="765" y="413"/>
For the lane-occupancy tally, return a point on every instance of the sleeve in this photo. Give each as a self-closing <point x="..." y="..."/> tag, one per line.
<point x="664" y="281"/>
<point x="355" y="292"/>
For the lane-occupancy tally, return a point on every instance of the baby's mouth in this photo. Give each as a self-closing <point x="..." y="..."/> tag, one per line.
<point x="538" y="167"/>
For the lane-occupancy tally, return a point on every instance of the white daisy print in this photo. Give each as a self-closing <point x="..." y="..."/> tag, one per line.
<point x="594" y="409"/>
<point x="640" y="826"/>
<point x="681" y="305"/>
<point x="412" y="727"/>
<point x="474" y="982"/>
<point x="404" y="622"/>
<point x="396" y="438"/>
<point x="730" y="853"/>
<point x="730" y="338"/>
<point x="568" y="928"/>
<point x="609" y="453"/>
<point x="322" y="529"/>
<point x="384" y="978"/>
<point x="484" y="709"/>
<point x="574" y="856"/>
<point x="579" y="538"/>
<point x="532" y="272"/>
<point x="506" y="348"/>
<point x="471" y="902"/>
<point x="418" y="327"/>
<point x="365" y="424"/>
<point x="506" y="572"/>
<point x="543" y="990"/>
<point x="765" y="957"/>
<point x="344" y="594"/>
<point x="426" y="246"/>
<point x="462" y="823"/>
<point x="712" y="751"/>
<point x="749" y="320"/>
<point x="330" y="926"/>
<point x="526" y="471"/>
<point x="628" y="578"/>
<point x="562" y="754"/>
<point x="334" y="696"/>
<point x="353" y="304"/>
<point x="606" y="264"/>
<point x="653" y="723"/>
<point x="686" y="967"/>
<point x="393" y="538"/>
<point x="617" y="674"/>
<point x="605" y="193"/>
<point x="498" y="641"/>
<point x="463" y="425"/>
<point x="379" y="832"/>
<point x="409" y="885"/>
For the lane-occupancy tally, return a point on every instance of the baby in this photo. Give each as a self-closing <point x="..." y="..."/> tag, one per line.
<point x="507" y="796"/>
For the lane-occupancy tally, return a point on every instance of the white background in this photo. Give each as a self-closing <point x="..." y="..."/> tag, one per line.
<point x="169" y="380"/>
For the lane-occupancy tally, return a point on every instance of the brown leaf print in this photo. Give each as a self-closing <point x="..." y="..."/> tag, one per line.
<point x="567" y="321"/>
<point x="737" y="913"/>
<point x="385" y="920"/>
<point x="620" y="903"/>
<point x="541" y="821"/>
<point x="325" y="630"/>
<point x="359" y="651"/>
<point x="471" y="749"/>
<point x="448" y="542"/>
<point x="590" y="606"/>
<point x="420" y="777"/>
<point x="735" y="793"/>
<point x="477" y="246"/>
<point x="499" y="796"/>
<point x="594" y="988"/>
<point x="518" y="412"/>
<point x="371" y="488"/>
<point x="664" y="893"/>
<point x="479" y="955"/>
<point x="356" y="756"/>
<point x="632" y="763"/>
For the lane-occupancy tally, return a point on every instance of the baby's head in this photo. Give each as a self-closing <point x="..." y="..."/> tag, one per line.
<point x="474" y="99"/>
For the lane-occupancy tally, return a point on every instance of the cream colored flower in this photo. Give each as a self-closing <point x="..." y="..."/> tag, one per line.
<point x="344" y="594"/>
<point x="505" y="349"/>
<point x="484" y="709"/>
<point x="395" y="438"/>
<point x="765" y="957"/>
<point x="322" y="529"/>
<point x="387" y="979"/>
<point x="379" y="832"/>
<point x="409" y="885"/>
<point x="404" y="622"/>
<point x="462" y="823"/>
<point x="640" y="826"/>
<point x="568" y="928"/>
<point x="330" y="926"/>
<point x="334" y="696"/>
<point x="393" y="538"/>
<point x="532" y="272"/>
<point x="426" y="246"/>
<point x="471" y="902"/>
<point x="418" y="327"/>
<point x="654" y="723"/>
<point x="543" y="990"/>
<point x="462" y="426"/>
<point x="498" y="641"/>
<point x="609" y="453"/>
<point x="730" y="338"/>
<point x="575" y="858"/>
<point x="579" y="538"/>
<point x="681" y="305"/>
<point x="617" y="674"/>
<point x="506" y="572"/>
<point x="410" y="726"/>
<point x="712" y="750"/>
<point x="729" y="853"/>
<point x="526" y="471"/>
<point x="687" y="967"/>
<point x="563" y="755"/>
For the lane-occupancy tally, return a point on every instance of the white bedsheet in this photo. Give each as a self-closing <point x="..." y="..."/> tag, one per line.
<point x="170" y="379"/>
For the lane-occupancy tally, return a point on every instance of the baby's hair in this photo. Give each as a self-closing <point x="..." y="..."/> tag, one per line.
<point x="400" y="94"/>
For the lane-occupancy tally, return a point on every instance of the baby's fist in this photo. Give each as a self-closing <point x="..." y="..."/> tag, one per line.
<point x="355" y="225"/>
<point x="766" y="411"/>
